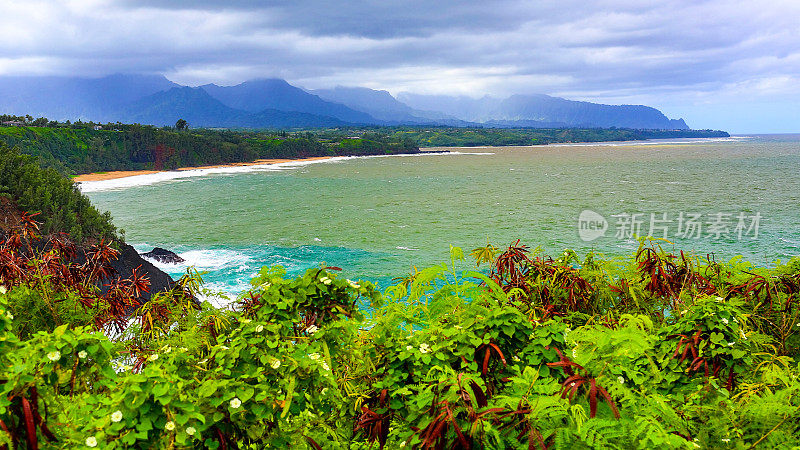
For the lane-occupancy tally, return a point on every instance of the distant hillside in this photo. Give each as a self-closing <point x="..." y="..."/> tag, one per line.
<point x="72" y="98"/>
<point x="198" y="108"/>
<point x="258" y="95"/>
<point x="191" y="104"/>
<point x="544" y="111"/>
<point x="581" y="114"/>
<point x="274" y="103"/>
<point x="154" y="100"/>
<point x="379" y="104"/>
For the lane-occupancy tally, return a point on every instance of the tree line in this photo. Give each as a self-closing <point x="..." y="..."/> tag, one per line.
<point x="56" y="201"/>
<point x="84" y="147"/>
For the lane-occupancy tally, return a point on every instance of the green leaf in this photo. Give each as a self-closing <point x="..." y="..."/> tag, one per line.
<point x="289" y="396"/>
<point x="207" y="389"/>
<point x="245" y="393"/>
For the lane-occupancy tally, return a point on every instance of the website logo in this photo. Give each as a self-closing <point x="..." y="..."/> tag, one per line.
<point x="591" y="225"/>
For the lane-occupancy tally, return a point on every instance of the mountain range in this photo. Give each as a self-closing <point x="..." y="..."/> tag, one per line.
<point x="274" y="103"/>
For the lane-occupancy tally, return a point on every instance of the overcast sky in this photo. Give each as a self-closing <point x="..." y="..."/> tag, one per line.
<point x="730" y="65"/>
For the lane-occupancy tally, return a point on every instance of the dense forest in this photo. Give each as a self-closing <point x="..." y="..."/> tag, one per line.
<point x="83" y="147"/>
<point x="474" y="137"/>
<point x="56" y="201"/>
<point x="76" y="148"/>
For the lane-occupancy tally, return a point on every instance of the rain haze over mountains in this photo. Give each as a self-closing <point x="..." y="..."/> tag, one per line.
<point x="264" y="103"/>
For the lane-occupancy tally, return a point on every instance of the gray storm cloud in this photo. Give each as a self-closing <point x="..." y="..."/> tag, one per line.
<point x="684" y="56"/>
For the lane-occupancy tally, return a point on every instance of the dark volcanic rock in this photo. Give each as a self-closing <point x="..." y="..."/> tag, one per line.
<point x="163" y="256"/>
<point x="130" y="259"/>
<point x="123" y="266"/>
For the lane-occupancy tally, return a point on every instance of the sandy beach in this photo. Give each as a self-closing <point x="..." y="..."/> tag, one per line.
<point x="102" y="176"/>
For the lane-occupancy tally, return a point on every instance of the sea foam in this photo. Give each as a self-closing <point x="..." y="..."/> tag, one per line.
<point x="180" y="175"/>
<point x="650" y="142"/>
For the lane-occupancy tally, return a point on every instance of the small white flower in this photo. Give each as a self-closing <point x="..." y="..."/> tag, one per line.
<point x="235" y="402"/>
<point x="325" y="365"/>
<point x="275" y="363"/>
<point x="3" y="290"/>
<point x="312" y="329"/>
<point x="572" y="384"/>
<point x="424" y="348"/>
<point x="259" y="328"/>
<point x="409" y="347"/>
<point x="191" y="431"/>
<point x="725" y="440"/>
<point x="621" y="379"/>
<point x="725" y="321"/>
<point x="515" y="358"/>
<point x="82" y="354"/>
<point x="54" y="356"/>
<point x="353" y="284"/>
<point x="116" y="416"/>
<point x="169" y="426"/>
<point x="314" y="356"/>
<point x="326" y="281"/>
<point x="91" y="441"/>
<point x="575" y="352"/>
<point x="730" y="344"/>
<point x="9" y="315"/>
<point x="152" y="357"/>
<point x="719" y="299"/>
<point x="402" y="444"/>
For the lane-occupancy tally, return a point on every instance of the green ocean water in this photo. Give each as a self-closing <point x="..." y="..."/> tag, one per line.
<point x="376" y="217"/>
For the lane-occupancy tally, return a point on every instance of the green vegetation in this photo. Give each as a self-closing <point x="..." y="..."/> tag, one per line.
<point x="474" y="137"/>
<point x="59" y="205"/>
<point x="657" y="351"/>
<point x="86" y="147"/>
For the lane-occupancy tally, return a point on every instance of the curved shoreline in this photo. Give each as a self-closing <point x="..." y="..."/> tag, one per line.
<point x="113" y="175"/>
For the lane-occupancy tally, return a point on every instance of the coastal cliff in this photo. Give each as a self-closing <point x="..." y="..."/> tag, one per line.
<point x="123" y="265"/>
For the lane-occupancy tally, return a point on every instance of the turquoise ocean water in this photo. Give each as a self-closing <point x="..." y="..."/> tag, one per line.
<point x="377" y="216"/>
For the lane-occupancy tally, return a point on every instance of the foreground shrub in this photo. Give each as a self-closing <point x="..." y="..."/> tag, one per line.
<point x="550" y="353"/>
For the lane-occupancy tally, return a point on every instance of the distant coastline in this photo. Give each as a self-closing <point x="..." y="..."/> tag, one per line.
<point x="113" y="175"/>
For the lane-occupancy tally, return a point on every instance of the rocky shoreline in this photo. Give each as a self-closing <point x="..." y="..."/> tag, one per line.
<point x="163" y="256"/>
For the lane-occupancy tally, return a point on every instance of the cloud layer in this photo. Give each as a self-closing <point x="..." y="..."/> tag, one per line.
<point x="691" y="56"/>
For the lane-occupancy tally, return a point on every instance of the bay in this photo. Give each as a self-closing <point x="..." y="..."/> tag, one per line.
<point x="376" y="217"/>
